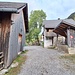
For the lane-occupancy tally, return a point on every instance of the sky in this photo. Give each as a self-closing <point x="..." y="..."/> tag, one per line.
<point x="54" y="9"/>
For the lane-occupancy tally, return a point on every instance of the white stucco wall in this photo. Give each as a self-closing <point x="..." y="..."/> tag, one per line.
<point x="47" y="43"/>
<point x="18" y="27"/>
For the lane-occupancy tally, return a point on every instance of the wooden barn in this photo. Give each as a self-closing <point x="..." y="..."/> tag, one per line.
<point x="13" y="27"/>
<point x="67" y="29"/>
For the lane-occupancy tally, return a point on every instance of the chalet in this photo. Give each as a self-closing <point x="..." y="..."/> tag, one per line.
<point x="64" y="28"/>
<point x="49" y="35"/>
<point x="13" y="27"/>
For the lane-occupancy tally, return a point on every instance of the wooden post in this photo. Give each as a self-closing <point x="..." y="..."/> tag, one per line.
<point x="44" y="36"/>
<point x="68" y="37"/>
<point x="57" y="40"/>
<point x="66" y="40"/>
<point x="52" y="40"/>
<point x="57" y="37"/>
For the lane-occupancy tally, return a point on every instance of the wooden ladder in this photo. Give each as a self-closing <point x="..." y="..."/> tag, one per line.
<point x="1" y="60"/>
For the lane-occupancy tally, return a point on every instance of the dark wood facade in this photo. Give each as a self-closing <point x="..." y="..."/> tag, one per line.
<point x="13" y="27"/>
<point x="5" y="22"/>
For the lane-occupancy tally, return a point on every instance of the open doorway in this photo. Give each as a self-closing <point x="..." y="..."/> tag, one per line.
<point x="20" y="42"/>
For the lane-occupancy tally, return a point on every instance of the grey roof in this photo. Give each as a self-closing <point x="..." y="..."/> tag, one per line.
<point x="70" y="22"/>
<point x="62" y="27"/>
<point x="51" y="23"/>
<point x="15" y="7"/>
<point x="11" y="6"/>
<point x="55" y="23"/>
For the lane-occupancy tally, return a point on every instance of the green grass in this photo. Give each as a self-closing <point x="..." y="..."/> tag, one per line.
<point x="20" y="59"/>
<point x="23" y="52"/>
<point x="69" y="57"/>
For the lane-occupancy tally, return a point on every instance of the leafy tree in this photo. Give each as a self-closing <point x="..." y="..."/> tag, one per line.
<point x="35" y="24"/>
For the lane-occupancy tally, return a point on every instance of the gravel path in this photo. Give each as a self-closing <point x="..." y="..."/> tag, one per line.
<point x="42" y="61"/>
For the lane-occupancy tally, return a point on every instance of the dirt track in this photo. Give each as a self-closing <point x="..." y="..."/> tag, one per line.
<point x="42" y="61"/>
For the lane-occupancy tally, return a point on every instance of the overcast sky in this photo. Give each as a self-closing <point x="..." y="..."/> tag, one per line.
<point x="54" y="9"/>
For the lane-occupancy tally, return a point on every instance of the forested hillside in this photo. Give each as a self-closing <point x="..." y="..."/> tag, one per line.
<point x="72" y="16"/>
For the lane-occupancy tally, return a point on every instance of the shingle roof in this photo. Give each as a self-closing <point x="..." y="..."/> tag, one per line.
<point x="70" y="22"/>
<point x="55" y="23"/>
<point x="51" y="23"/>
<point x="62" y="27"/>
<point x="11" y="6"/>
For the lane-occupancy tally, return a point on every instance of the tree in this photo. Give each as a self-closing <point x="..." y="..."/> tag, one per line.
<point x="35" y="24"/>
<point x="72" y="16"/>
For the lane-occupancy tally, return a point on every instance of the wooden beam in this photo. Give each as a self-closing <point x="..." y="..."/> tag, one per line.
<point x="58" y="32"/>
<point x="61" y="31"/>
<point x="63" y="27"/>
<point x="68" y="38"/>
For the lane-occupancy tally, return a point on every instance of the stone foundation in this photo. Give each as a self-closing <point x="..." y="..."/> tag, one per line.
<point x="63" y="48"/>
<point x="71" y="50"/>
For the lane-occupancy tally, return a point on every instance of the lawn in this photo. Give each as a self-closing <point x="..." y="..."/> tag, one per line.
<point x="20" y="60"/>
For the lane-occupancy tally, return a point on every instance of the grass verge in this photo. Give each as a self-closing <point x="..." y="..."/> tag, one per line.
<point x="51" y="47"/>
<point x="20" y="59"/>
<point x="69" y="57"/>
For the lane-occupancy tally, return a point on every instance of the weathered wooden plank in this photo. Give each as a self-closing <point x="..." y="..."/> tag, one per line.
<point x="5" y="22"/>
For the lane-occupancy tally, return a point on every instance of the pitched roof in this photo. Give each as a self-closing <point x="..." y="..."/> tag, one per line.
<point x="51" y="23"/>
<point x="70" y="22"/>
<point x="62" y="27"/>
<point x="55" y="23"/>
<point x="11" y="6"/>
<point x="14" y="7"/>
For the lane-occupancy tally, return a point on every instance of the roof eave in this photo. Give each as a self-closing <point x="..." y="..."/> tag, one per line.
<point x="25" y="10"/>
<point x="68" y="23"/>
<point x="18" y="10"/>
<point x="13" y="10"/>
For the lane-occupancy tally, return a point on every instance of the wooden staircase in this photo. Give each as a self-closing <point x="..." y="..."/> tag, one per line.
<point x="1" y="60"/>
